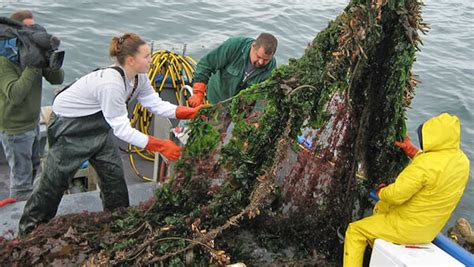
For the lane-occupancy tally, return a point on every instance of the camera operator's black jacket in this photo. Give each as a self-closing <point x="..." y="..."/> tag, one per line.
<point x="35" y="45"/>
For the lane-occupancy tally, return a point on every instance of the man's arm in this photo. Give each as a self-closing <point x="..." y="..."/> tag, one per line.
<point x="411" y="180"/>
<point x="216" y="59"/>
<point x="54" y="76"/>
<point x="15" y="88"/>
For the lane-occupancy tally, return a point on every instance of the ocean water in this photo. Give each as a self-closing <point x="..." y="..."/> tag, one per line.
<point x="445" y="64"/>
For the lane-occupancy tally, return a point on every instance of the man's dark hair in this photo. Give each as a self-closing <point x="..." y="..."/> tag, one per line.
<point x="268" y="42"/>
<point x="21" y="15"/>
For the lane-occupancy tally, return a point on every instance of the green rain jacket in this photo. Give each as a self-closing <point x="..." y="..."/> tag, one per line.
<point x="223" y="68"/>
<point x="426" y="192"/>
<point x="20" y="95"/>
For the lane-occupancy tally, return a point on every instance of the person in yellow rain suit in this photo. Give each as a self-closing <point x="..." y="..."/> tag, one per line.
<point x="418" y="204"/>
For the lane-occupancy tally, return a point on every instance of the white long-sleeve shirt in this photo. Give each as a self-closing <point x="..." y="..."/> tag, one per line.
<point x="103" y="90"/>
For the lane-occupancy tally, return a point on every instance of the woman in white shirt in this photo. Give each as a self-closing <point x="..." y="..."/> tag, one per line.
<point x="85" y="117"/>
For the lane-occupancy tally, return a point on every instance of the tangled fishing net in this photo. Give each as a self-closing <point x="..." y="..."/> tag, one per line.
<point x="274" y="174"/>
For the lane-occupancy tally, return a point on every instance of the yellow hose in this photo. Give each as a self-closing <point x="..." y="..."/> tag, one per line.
<point x="168" y="65"/>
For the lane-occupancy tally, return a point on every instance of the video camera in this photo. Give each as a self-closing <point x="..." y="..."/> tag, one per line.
<point x="35" y="46"/>
<point x="51" y="56"/>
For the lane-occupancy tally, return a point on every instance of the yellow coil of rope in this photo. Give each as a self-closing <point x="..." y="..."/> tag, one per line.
<point x="171" y="69"/>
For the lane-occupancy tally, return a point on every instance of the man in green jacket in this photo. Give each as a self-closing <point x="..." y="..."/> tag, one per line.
<point x="20" y="106"/>
<point x="236" y="64"/>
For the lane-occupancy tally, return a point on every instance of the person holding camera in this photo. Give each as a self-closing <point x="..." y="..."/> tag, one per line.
<point x="20" y="107"/>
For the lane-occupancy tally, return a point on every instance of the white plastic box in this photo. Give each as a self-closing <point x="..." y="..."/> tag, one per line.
<point x="388" y="254"/>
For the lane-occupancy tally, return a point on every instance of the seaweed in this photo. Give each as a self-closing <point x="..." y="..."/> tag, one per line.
<point x="245" y="189"/>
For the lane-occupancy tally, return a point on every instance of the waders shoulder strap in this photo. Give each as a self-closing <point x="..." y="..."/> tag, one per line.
<point x="135" y="84"/>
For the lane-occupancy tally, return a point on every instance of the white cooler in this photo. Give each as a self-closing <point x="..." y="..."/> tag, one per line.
<point x="388" y="254"/>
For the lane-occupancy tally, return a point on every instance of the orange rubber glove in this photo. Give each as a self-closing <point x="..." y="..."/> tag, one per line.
<point x="166" y="147"/>
<point x="199" y="90"/>
<point x="187" y="113"/>
<point x="410" y="149"/>
<point x="6" y="201"/>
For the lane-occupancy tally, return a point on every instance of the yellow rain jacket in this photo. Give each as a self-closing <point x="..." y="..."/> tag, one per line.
<point x="418" y="204"/>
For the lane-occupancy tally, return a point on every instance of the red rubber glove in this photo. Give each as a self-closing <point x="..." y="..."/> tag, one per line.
<point x="410" y="149"/>
<point x="379" y="187"/>
<point x="166" y="147"/>
<point x="199" y="90"/>
<point x="187" y="113"/>
<point x="6" y="201"/>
